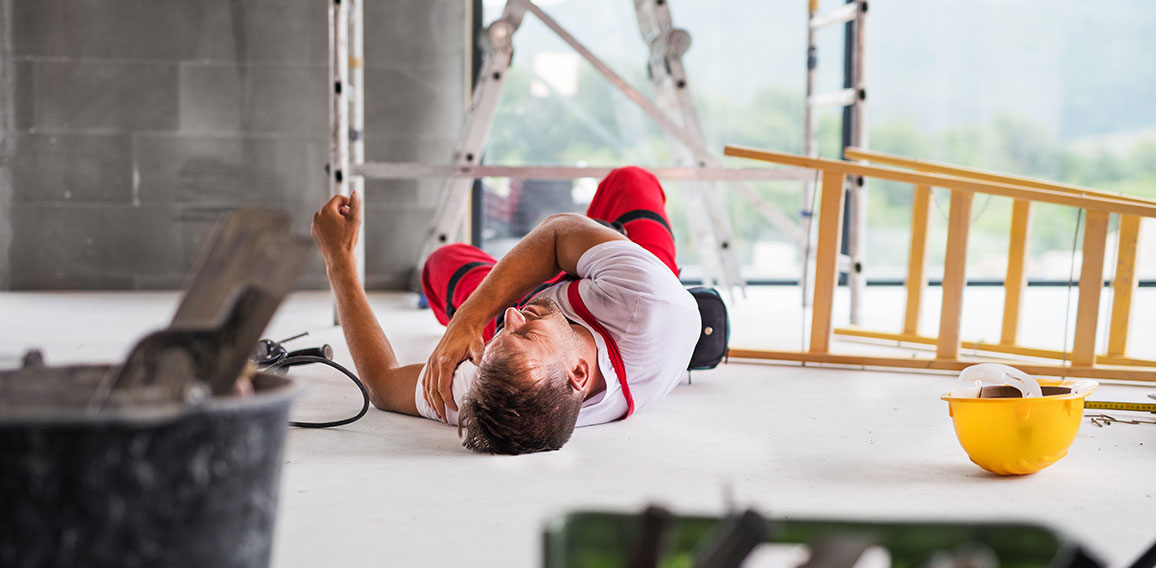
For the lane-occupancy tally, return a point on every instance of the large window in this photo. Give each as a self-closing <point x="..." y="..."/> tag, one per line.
<point x="1062" y="93"/>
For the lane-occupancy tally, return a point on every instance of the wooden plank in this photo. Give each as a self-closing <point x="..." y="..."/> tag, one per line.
<point x="852" y="153"/>
<point x="916" y="281"/>
<point x="1020" y="350"/>
<point x="1123" y="361"/>
<point x="954" y="277"/>
<point x="1016" y="280"/>
<point x="826" y="259"/>
<point x="1042" y="370"/>
<point x="1091" y="284"/>
<point x="1106" y="204"/>
<point x="1123" y="285"/>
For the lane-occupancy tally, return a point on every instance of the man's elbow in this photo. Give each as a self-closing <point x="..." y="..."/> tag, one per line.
<point x="376" y="394"/>
<point x="379" y="402"/>
<point x="564" y="219"/>
<point x="393" y="390"/>
<point x="382" y="401"/>
<point x="392" y="400"/>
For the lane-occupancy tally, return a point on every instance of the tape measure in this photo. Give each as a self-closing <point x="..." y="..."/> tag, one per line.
<point x="1133" y="406"/>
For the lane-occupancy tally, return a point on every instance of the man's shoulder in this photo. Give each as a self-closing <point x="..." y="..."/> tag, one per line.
<point x="624" y="276"/>
<point x="622" y="256"/>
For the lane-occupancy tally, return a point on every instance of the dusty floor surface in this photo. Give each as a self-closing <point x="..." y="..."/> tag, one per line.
<point x="793" y="442"/>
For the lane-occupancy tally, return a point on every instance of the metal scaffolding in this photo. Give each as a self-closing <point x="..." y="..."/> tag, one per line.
<point x="347" y="108"/>
<point x="673" y="112"/>
<point x="347" y="105"/>
<point x="853" y="99"/>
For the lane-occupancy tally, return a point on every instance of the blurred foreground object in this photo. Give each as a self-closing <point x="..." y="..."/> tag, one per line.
<point x="153" y="462"/>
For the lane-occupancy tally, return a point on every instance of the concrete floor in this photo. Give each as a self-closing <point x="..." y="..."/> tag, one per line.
<point x="791" y="441"/>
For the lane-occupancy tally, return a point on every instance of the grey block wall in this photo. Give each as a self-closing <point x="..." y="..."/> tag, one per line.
<point x="7" y="126"/>
<point x="127" y="127"/>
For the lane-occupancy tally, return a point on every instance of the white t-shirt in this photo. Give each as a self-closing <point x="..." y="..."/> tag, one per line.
<point x="645" y="309"/>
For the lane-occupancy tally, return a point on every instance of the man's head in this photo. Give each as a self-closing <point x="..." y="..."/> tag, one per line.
<point x="530" y="384"/>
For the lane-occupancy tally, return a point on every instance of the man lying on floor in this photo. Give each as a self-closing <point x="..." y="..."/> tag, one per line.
<point x="529" y="353"/>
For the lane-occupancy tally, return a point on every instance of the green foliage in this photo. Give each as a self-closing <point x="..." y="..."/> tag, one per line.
<point x="599" y="126"/>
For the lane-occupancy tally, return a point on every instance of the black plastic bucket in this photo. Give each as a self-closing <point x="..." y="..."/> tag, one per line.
<point x="139" y="485"/>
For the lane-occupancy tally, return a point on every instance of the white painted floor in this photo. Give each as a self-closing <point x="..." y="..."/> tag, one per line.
<point x="791" y="441"/>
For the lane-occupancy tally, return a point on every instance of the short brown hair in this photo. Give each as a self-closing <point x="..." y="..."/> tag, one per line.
<point x="518" y="407"/>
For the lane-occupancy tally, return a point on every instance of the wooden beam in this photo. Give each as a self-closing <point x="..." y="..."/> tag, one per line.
<point x="954" y="275"/>
<point x="1019" y="350"/>
<point x="916" y="281"/>
<point x="1123" y="285"/>
<point x="1106" y="204"/>
<point x="826" y="259"/>
<point x="852" y="153"/>
<point x="1046" y="370"/>
<point x="1016" y="280"/>
<point x="1091" y="284"/>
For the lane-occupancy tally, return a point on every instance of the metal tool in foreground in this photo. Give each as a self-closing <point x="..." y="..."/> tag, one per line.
<point x="247" y="266"/>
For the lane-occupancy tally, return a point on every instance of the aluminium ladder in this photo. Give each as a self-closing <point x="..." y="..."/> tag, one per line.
<point x="853" y="99"/>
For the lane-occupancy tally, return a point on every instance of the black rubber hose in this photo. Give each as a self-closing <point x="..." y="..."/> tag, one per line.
<point x="324" y="351"/>
<point x="302" y="359"/>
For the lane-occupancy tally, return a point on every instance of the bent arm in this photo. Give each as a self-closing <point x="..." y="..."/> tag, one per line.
<point x="390" y="384"/>
<point x="552" y="247"/>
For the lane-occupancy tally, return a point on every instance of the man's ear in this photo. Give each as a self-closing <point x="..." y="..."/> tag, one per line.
<point x="579" y="375"/>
